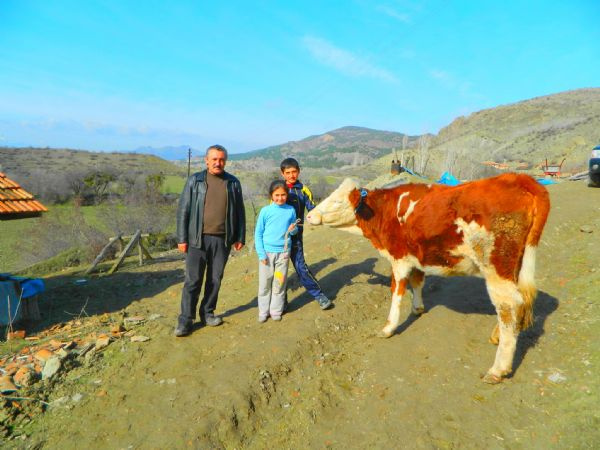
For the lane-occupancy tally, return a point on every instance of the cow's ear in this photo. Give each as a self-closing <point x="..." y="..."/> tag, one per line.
<point x="364" y="211"/>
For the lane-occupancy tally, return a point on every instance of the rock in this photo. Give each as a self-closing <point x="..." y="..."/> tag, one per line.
<point x="62" y="401"/>
<point x="102" y="342"/>
<point x="135" y="320"/>
<point x="55" y="343"/>
<point x="586" y="229"/>
<point x="19" y="334"/>
<point x="76" y="398"/>
<point x="86" y="348"/>
<point x="43" y="355"/>
<point x="139" y="338"/>
<point x="6" y="385"/>
<point x="154" y="316"/>
<point x="117" y="329"/>
<point x="24" y="376"/>
<point x="62" y="353"/>
<point x="51" y="368"/>
<point x="557" y="377"/>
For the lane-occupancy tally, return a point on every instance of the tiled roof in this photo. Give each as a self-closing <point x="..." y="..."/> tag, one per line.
<point x="14" y="200"/>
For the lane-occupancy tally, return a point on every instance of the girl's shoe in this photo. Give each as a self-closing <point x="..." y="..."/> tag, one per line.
<point x="262" y="319"/>
<point x="276" y="318"/>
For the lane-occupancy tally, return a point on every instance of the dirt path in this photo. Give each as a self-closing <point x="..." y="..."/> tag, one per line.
<point x="322" y="379"/>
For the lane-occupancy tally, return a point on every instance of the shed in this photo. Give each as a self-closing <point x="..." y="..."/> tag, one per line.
<point x="16" y="202"/>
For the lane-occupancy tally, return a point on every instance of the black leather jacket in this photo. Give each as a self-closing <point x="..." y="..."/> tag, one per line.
<point x="191" y="211"/>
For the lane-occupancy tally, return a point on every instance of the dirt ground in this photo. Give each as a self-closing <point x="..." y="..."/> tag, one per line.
<point x="321" y="379"/>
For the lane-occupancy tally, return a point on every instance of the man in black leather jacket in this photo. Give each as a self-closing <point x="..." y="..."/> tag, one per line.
<point x="210" y="220"/>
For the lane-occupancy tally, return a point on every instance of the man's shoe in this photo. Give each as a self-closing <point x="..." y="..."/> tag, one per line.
<point x="181" y="331"/>
<point x="324" y="302"/>
<point x="213" y="321"/>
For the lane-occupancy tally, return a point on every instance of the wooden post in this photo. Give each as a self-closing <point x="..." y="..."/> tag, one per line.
<point x="102" y="253"/>
<point x="129" y="246"/>
<point x="140" y="252"/>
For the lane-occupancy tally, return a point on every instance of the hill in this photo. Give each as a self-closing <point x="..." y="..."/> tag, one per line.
<point x="344" y="146"/>
<point x="25" y="161"/>
<point x="554" y="127"/>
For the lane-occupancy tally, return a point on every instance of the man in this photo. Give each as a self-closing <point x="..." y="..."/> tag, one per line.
<point x="210" y="220"/>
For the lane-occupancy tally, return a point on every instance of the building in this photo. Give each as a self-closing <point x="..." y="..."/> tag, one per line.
<point x="16" y="202"/>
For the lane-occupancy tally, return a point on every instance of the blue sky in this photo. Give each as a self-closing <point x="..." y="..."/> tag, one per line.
<point x="117" y="75"/>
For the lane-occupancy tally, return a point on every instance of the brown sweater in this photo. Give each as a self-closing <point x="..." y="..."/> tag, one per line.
<point x="215" y="205"/>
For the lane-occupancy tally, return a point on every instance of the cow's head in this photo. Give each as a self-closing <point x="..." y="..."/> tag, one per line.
<point x="336" y="210"/>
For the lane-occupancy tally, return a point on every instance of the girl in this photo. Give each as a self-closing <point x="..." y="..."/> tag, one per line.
<point x="274" y="225"/>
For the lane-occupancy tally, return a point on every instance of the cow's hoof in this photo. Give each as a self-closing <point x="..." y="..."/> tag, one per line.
<point x="490" y="378"/>
<point x="418" y="311"/>
<point x="384" y="334"/>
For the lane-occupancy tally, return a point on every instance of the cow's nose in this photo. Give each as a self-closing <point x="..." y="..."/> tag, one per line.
<point x="314" y="218"/>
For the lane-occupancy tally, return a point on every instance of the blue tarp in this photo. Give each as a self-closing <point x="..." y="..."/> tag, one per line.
<point x="448" y="179"/>
<point x="29" y="286"/>
<point x="546" y="181"/>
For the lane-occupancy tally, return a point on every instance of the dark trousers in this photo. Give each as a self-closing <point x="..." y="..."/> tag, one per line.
<point x="211" y="258"/>
<point x="305" y="276"/>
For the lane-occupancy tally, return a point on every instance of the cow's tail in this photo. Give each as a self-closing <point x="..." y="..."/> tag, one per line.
<point x="526" y="282"/>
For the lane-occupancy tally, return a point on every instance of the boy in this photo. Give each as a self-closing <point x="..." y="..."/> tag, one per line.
<point x="300" y="198"/>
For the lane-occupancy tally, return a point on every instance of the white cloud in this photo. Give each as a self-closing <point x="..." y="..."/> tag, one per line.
<point x="391" y="12"/>
<point x="345" y="61"/>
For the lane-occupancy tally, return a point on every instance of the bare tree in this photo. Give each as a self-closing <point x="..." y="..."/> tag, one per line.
<point x="423" y="154"/>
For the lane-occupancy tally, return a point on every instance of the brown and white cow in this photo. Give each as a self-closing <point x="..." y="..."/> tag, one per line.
<point x="490" y="228"/>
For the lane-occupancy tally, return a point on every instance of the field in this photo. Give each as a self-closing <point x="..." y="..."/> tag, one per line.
<point x="321" y="379"/>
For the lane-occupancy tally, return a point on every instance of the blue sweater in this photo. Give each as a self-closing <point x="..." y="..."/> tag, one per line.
<point x="273" y="221"/>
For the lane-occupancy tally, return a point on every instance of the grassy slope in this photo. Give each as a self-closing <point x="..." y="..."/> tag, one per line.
<point x="564" y="125"/>
<point x="27" y="160"/>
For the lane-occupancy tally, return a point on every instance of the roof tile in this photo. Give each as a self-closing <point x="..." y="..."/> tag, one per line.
<point x="15" y="200"/>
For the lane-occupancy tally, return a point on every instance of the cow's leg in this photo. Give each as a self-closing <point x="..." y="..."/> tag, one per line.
<point x="398" y="290"/>
<point x="507" y="300"/>
<point x="495" y="336"/>
<point x="417" y="280"/>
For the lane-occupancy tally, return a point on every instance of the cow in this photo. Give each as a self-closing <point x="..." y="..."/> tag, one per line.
<point x="488" y="228"/>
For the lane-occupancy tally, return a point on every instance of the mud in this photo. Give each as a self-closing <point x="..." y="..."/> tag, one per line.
<point x="322" y="379"/>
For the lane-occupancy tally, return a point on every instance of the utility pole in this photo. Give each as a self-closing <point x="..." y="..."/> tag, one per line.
<point x="189" y="160"/>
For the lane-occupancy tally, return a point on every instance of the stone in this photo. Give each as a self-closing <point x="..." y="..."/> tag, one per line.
<point x="55" y="343"/>
<point x="102" y="342"/>
<point x="62" y="353"/>
<point x="51" y="368"/>
<point x="586" y="229"/>
<point x="139" y="338"/>
<point x="134" y="320"/>
<point x="154" y="316"/>
<point x="23" y="377"/>
<point x="117" y="330"/>
<point x="43" y="355"/>
<point x="62" y="401"/>
<point x="557" y="377"/>
<point x="76" y="398"/>
<point x="6" y="385"/>
<point x="19" y="334"/>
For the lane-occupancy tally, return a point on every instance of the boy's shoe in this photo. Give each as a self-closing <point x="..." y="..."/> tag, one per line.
<point x="213" y="321"/>
<point x="276" y="318"/>
<point x="323" y="301"/>
<point x="182" y="330"/>
<point x="262" y="319"/>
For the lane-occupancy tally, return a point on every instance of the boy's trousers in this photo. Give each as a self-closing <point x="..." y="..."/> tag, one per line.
<point x="272" y="279"/>
<point x="305" y="276"/>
